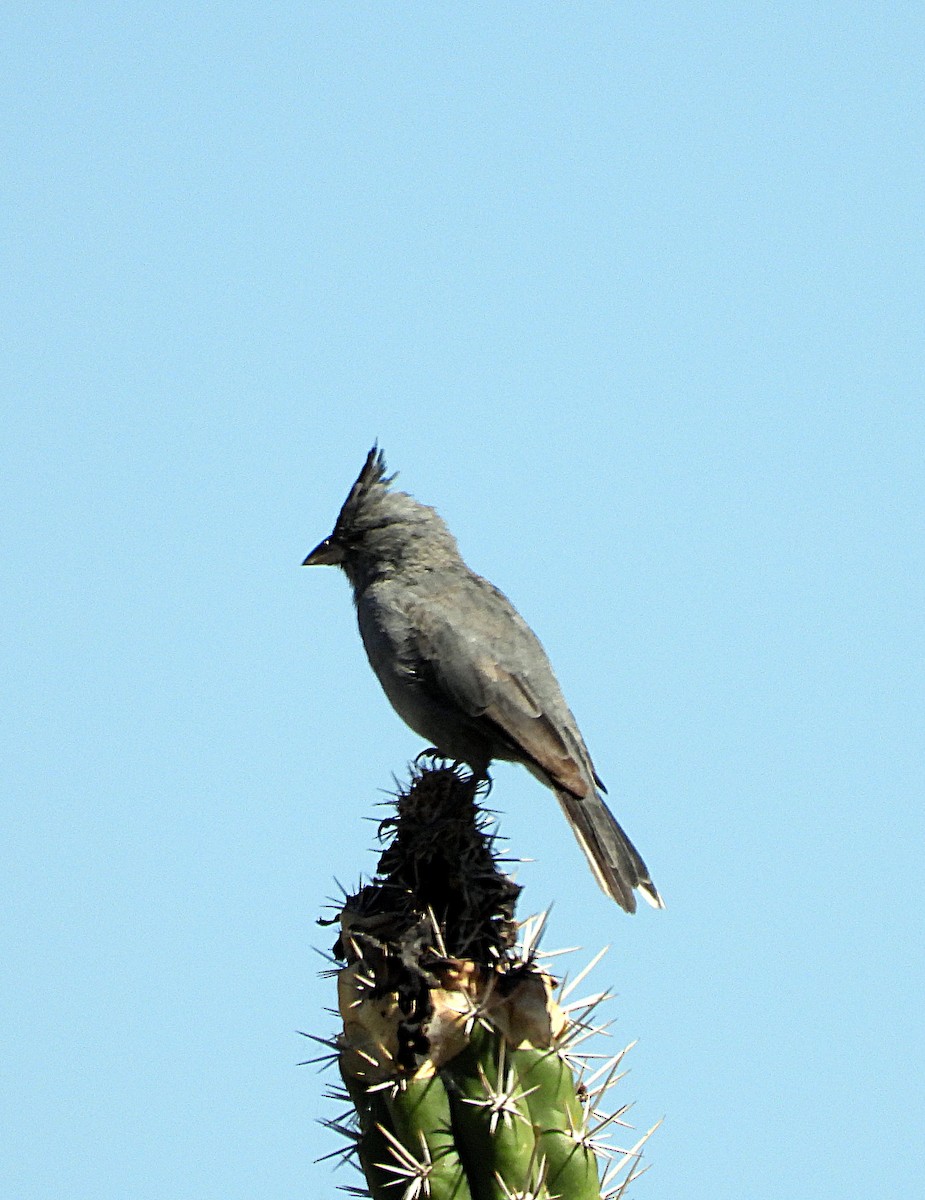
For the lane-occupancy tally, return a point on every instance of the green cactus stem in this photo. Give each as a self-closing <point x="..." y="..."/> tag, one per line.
<point x="457" y="1058"/>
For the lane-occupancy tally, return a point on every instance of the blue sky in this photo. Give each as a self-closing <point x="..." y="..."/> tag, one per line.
<point x="632" y="294"/>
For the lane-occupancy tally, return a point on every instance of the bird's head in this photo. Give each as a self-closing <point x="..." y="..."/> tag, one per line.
<point x="378" y="531"/>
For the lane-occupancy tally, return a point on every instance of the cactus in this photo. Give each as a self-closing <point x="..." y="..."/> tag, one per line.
<point x="465" y="1076"/>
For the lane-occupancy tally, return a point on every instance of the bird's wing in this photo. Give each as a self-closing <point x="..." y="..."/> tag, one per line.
<point x="462" y="666"/>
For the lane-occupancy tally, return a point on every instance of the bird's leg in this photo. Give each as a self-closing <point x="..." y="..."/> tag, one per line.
<point x="482" y="780"/>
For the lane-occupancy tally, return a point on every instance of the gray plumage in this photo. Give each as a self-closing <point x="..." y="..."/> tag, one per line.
<point x="462" y="667"/>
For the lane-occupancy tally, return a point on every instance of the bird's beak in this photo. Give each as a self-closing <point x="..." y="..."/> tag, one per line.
<point x="325" y="554"/>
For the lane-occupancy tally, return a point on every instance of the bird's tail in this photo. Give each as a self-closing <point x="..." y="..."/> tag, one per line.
<point x="615" y="861"/>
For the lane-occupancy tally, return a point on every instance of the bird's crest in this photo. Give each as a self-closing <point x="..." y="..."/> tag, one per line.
<point x="372" y="477"/>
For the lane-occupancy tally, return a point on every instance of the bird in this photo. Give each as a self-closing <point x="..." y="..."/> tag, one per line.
<point x="463" y="669"/>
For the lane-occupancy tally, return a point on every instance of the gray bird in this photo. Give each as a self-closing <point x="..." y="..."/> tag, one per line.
<point x="463" y="669"/>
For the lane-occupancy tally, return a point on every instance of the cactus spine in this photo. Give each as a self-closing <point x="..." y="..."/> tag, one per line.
<point x="458" y="1062"/>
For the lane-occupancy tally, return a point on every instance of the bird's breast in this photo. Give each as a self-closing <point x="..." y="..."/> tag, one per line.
<point x="413" y="689"/>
